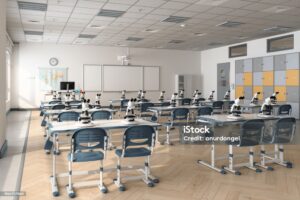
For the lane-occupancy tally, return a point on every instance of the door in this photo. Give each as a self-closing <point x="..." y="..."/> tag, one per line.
<point x="223" y="79"/>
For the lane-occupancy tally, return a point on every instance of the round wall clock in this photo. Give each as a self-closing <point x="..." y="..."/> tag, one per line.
<point x="53" y="61"/>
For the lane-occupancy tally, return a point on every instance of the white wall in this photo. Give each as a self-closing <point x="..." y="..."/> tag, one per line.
<point x="28" y="57"/>
<point x="256" y="48"/>
<point x="2" y="71"/>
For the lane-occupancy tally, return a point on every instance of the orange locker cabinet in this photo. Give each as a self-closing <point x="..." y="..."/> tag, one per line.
<point x="282" y="93"/>
<point x="239" y="91"/>
<point x="268" y="78"/>
<point x="292" y="77"/>
<point x="248" y="79"/>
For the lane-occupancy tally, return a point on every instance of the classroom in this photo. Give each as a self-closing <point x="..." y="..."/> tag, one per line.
<point x="150" y="99"/>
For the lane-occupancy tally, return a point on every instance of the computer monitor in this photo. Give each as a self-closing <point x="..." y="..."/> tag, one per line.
<point x="67" y="85"/>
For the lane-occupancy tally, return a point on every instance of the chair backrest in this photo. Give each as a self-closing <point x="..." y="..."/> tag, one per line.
<point x="58" y="107"/>
<point x="285" y="109"/>
<point x="251" y="132"/>
<point x="101" y="114"/>
<point x="143" y="135"/>
<point x="186" y="101"/>
<point x="124" y="103"/>
<point x="180" y="114"/>
<point x="88" y="139"/>
<point x="284" y="130"/>
<point x="144" y="106"/>
<point x="55" y="102"/>
<point x="204" y="111"/>
<point x="68" y="116"/>
<point x="166" y="104"/>
<point x="217" y="104"/>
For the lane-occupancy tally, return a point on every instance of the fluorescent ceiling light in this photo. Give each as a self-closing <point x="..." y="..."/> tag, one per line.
<point x="176" y="19"/>
<point x="211" y="2"/>
<point x="278" y="29"/>
<point x="277" y="9"/>
<point x="33" y="32"/>
<point x="134" y="39"/>
<point x="230" y="24"/>
<point x="96" y="26"/>
<point x="86" y="36"/>
<point x="151" y="30"/>
<point x="199" y="34"/>
<point x="32" y="6"/>
<point x="176" y="41"/>
<point x="110" y="13"/>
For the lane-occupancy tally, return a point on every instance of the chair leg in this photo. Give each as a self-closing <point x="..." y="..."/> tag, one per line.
<point x="251" y="161"/>
<point x="281" y="158"/>
<point x="70" y="190"/>
<point x="263" y="159"/>
<point x="230" y="160"/>
<point x="147" y="171"/>
<point x="117" y="181"/>
<point x="102" y="187"/>
<point x="168" y="142"/>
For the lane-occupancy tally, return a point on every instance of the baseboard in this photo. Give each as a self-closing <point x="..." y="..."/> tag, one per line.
<point x="23" y="109"/>
<point x="3" y="149"/>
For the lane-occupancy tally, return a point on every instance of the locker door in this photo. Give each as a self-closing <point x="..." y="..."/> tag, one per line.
<point x="268" y="64"/>
<point x="268" y="78"/>
<point x="257" y="78"/>
<point x="282" y="93"/>
<point x="292" y="94"/>
<point x="257" y="64"/>
<point x="239" y="79"/>
<point x="292" y="61"/>
<point x="279" y="78"/>
<point x="292" y="77"/>
<point x="248" y="93"/>
<point x="239" y="66"/>
<point x="239" y="91"/>
<point x="279" y="62"/>
<point x="268" y="91"/>
<point x="248" y="78"/>
<point x="248" y="65"/>
<point x="258" y="89"/>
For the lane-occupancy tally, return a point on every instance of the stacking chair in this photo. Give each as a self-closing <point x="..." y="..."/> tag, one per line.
<point x="186" y="101"/>
<point x="250" y="136"/>
<point x="58" y="107"/>
<point x="282" y="133"/>
<point x="51" y="103"/>
<point x="144" y="113"/>
<point x="178" y="116"/>
<point x="205" y="111"/>
<point x="285" y="109"/>
<point x="138" y="141"/>
<point x="87" y="145"/>
<point x="68" y="116"/>
<point x="101" y="115"/>
<point x="218" y="107"/>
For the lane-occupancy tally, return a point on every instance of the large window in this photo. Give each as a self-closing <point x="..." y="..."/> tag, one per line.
<point x="8" y="68"/>
<point x="238" y="51"/>
<point x="280" y="43"/>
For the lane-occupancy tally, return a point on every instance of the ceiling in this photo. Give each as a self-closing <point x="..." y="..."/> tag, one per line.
<point x="142" y="23"/>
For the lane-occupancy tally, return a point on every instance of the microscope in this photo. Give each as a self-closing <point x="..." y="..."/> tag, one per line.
<point x="162" y="96"/>
<point x="274" y="98"/>
<point x="54" y="95"/>
<point x="82" y="95"/>
<point x="195" y="93"/>
<point x="181" y="94"/>
<point x="85" y="118"/>
<point x="67" y="101"/>
<point x="123" y="94"/>
<point x="254" y="100"/>
<point x="227" y="95"/>
<point x="143" y="95"/>
<point x="97" y="102"/>
<point x="85" y="104"/>
<point x="196" y="99"/>
<point x="139" y="94"/>
<point x="211" y="96"/>
<point x="68" y="97"/>
<point x="73" y="96"/>
<point x="235" y="110"/>
<point x="173" y="99"/>
<point x="266" y="108"/>
<point x="59" y="95"/>
<point x="130" y="109"/>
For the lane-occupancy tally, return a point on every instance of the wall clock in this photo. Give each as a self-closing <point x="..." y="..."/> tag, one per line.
<point x="53" y="61"/>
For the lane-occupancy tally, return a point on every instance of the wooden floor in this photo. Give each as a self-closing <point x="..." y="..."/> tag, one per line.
<point x="180" y="176"/>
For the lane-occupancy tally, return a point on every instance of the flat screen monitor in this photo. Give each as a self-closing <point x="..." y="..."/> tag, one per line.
<point x="67" y="85"/>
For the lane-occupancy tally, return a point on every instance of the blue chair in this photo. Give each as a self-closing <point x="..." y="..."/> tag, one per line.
<point x="165" y="104"/>
<point x="178" y="117"/>
<point x="285" y="109"/>
<point x="144" y="113"/>
<point x="58" y="107"/>
<point x="101" y="115"/>
<point x="138" y="141"/>
<point x="205" y="111"/>
<point x="55" y="102"/>
<point x="75" y="102"/>
<point x="186" y="101"/>
<point x="68" y="116"/>
<point x="250" y="136"/>
<point x="283" y="133"/>
<point x="88" y="144"/>
<point x="218" y="107"/>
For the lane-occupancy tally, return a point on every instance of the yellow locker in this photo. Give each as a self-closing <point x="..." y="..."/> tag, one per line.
<point x="282" y="93"/>
<point x="248" y="78"/>
<point x="268" y="78"/>
<point x="258" y="89"/>
<point x="239" y="91"/>
<point x="292" y="77"/>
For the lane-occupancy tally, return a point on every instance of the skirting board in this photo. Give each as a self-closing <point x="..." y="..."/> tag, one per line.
<point x="3" y="149"/>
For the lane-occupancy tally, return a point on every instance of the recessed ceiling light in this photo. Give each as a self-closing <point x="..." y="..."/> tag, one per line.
<point x="278" y="29"/>
<point x="175" y="19"/>
<point x="211" y="2"/>
<point x="230" y="24"/>
<point x="182" y="25"/>
<point x="32" y="6"/>
<point x="277" y="9"/>
<point x="96" y="26"/>
<point x="135" y="39"/>
<point x="199" y="34"/>
<point x="33" y="32"/>
<point x="151" y="30"/>
<point x="110" y="13"/>
<point x="33" y="21"/>
<point x="176" y="41"/>
<point x="86" y="36"/>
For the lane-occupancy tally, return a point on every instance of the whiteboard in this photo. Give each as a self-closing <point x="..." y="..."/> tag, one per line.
<point x="92" y="78"/>
<point x="151" y="78"/>
<point x="118" y="78"/>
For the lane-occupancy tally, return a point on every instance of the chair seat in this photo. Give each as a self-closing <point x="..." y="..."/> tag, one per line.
<point x="86" y="156"/>
<point x="134" y="152"/>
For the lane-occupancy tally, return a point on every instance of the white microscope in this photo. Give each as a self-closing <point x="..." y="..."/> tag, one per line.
<point x="235" y="110"/>
<point x="139" y="94"/>
<point x="82" y="95"/>
<point x="211" y="96"/>
<point x="143" y="94"/>
<point x="85" y="104"/>
<point x="130" y="110"/>
<point x="196" y="99"/>
<point x="85" y="118"/>
<point x="73" y="95"/>
<point x="162" y="96"/>
<point x="266" y="108"/>
<point x="254" y="100"/>
<point x="181" y="94"/>
<point x="274" y="98"/>
<point x="59" y="95"/>
<point x="173" y="99"/>
<point x="227" y="95"/>
<point x="54" y="95"/>
<point x="195" y="93"/>
<point x="123" y="94"/>
<point x="97" y="102"/>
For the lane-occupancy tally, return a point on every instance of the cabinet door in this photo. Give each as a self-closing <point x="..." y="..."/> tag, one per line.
<point x="248" y="93"/>
<point x="239" y="79"/>
<point x="279" y="62"/>
<point x="258" y="89"/>
<point x="239" y="66"/>
<point x="295" y="109"/>
<point x="248" y="78"/>
<point x="292" y="61"/>
<point x="279" y="78"/>
<point x="257" y="78"/>
<point x="292" y="94"/>
<point x="248" y="65"/>
<point x="239" y="91"/>
<point x="257" y="64"/>
<point x="282" y="93"/>
<point x="268" y="78"/>
<point x="268" y="64"/>
<point x="292" y="77"/>
<point x="268" y="91"/>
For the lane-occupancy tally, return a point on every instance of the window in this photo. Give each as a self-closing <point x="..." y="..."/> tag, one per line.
<point x="280" y="43"/>
<point x="8" y="68"/>
<point x="238" y="51"/>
